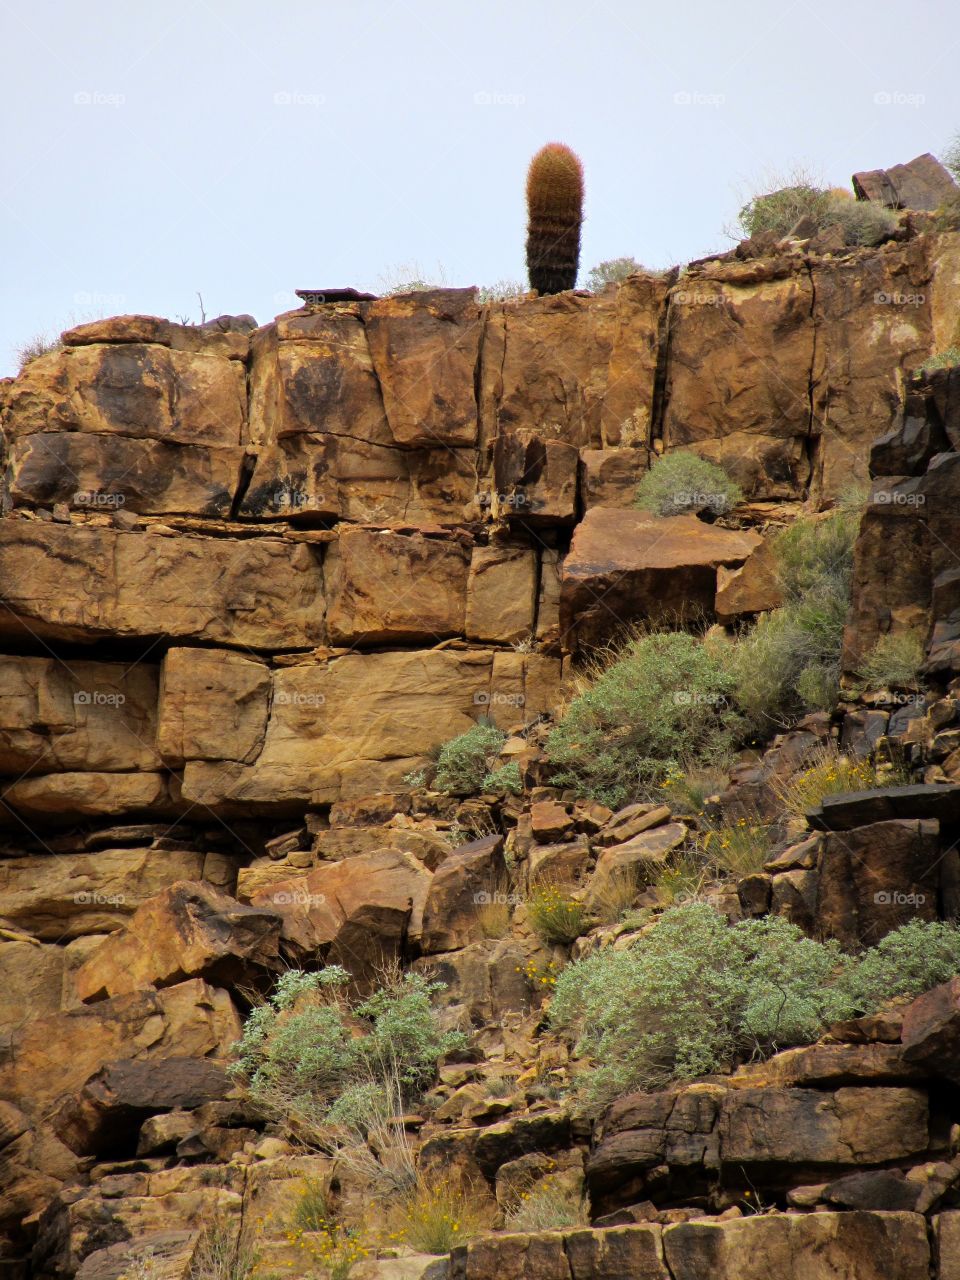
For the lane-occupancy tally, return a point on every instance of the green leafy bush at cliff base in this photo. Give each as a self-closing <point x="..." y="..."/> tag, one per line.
<point x="666" y="700"/>
<point x="312" y="1058"/>
<point x="694" y="993"/>
<point x="789" y="662"/>
<point x="680" y="483"/>
<point x="464" y="763"/>
<point x="861" y="222"/>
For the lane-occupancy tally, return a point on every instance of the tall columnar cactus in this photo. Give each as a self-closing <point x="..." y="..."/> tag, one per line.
<point x="555" y="215"/>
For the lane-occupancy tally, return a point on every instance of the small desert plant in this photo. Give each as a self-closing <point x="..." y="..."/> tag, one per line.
<point x="789" y="662"/>
<point x="663" y="700"/>
<point x="506" y="779"/>
<point x="409" y="277"/>
<point x="437" y="1215"/>
<point x="862" y="222"/>
<point x="941" y="360"/>
<point x="615" y="898"/>
<point x="542" y="975"/>
<point x="828" y="772"/>
<point x="907" y="962"/>
<point x="951" y="158"/>
<point x="549" y="1205"/>
<point x="894" y="662"/>
<point x="681" y="482"/>
<point x="38" y="346"/>
<point x="502" y="291"/>
<point x="554" y="218"/>
<point x="687" y="790"/>
<point x="464" y="762"/>
<point x="223" y="1252"/>
<point x="312" y="1211"/>
<point x="500" y="1086"/>
<point x="555" y="915"/>
<point x="613" y="270"/>
<point x="738" y="848"/>
<point x="334" y="1248"/>
<point x="683" y="879"/>
<point x="495" y="911"/>
<point x="780" y="210"/>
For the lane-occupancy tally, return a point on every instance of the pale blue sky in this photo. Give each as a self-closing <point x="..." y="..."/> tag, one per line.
<point x="240" y="149"/>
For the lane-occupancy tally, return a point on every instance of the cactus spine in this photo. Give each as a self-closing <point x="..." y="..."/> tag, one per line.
<point x="555" y="215"/>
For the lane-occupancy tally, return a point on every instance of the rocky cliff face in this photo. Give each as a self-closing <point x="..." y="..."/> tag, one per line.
<point x="249" y="580"/>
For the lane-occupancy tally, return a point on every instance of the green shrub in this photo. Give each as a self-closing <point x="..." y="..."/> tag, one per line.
<point x="555" y="915"/>
<point x="313" y="1059"/>
<point x="780" y="210"/>
<point x="942" y="360"/>
<point x="664" y="701"/>
<point x="613" y="270"/>
<point x="689" y="995"/>
<point x="907" y="962"/>
<point x="694" y="992"/>
<point x="894" y="662"/>
<point x="738" y="848"/>
<point x="505" y="779"/>
<point x="681" y="482"/>
<point x="551" y="1204"/>
<point x="464" y="762"/>
<point x="312" y="1210"/>
<point x="826" y="773"/>
<point x="863" y="222"/>
<point x="789" y="662"/>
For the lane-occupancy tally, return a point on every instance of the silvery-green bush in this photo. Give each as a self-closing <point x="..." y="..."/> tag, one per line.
<point x="694" y="993"/>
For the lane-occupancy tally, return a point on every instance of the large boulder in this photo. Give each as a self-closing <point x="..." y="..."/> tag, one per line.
<point x="922" y="183"/>
<point x="362" y="913"/>
<point x="807" y="1128"/>
<point x="624" y="566"/>
<point x="137" y="389"/>
<point x="58" y="898"/>
<point x="188" y="930"/>
<point x="470" y="877"/>
<point x="875" y="878"/>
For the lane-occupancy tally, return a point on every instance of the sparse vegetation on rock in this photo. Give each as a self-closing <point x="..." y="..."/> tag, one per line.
<point x="681" y="482"/>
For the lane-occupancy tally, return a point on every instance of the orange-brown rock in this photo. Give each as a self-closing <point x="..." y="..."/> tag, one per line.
<point x="76" y="715"/>
<point x="141" y="390"/>
<point x="624" y="566"/>
<point x="817" y="1246"/>
<point x="424" y="351"/>
<point x="188" y="930"/>
<point x="388" y="587"/>
<point x="113" y="472"/>
<point x="214" y="705"/>
<point x="501" y="592"/>
<point x="71" y="582"/>
<point x="575" y="368"/>
<point x="358" y="723"/>
<point x="753" y="587"/>
<point x="609" y="477"/>
<point x="360" y="912"/>
<point x="67" y="896"/>
<point x="469" y="879"/>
